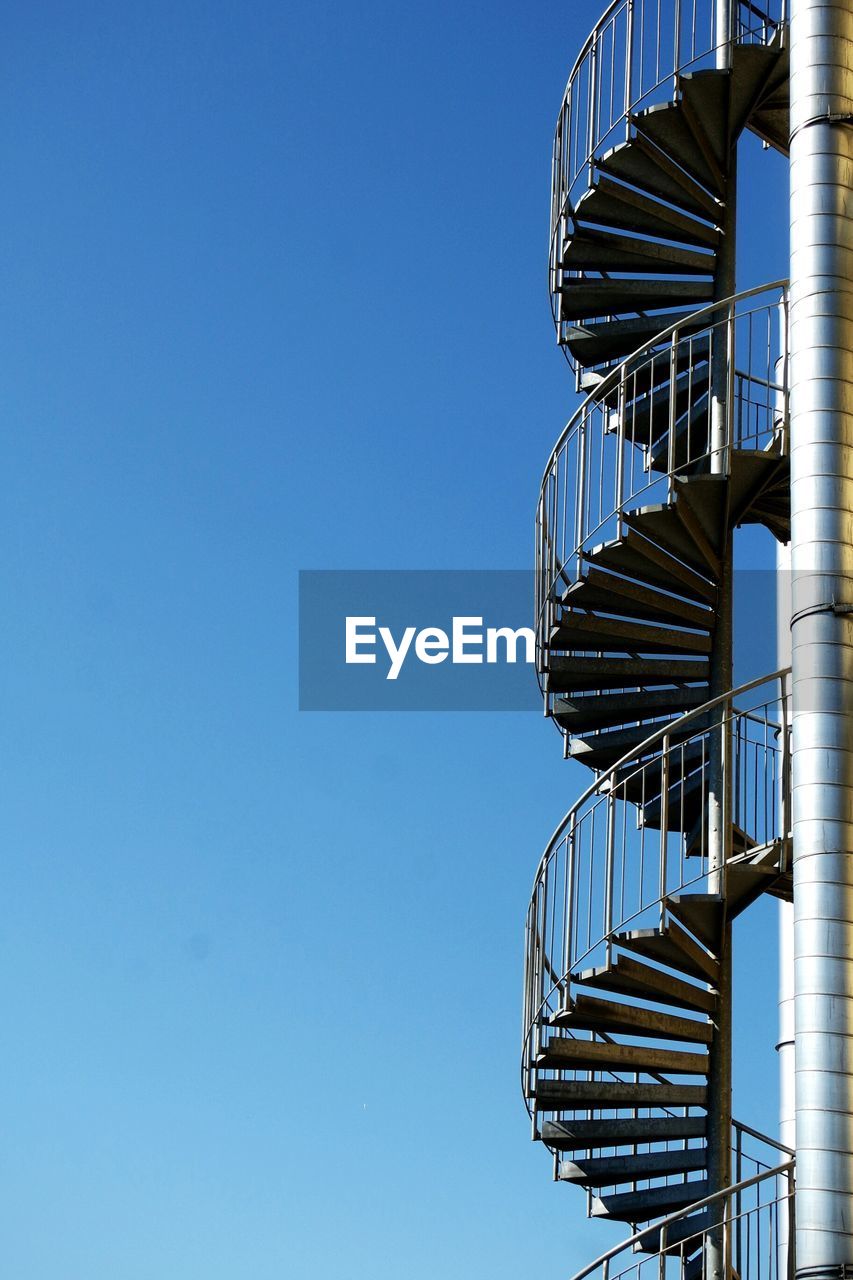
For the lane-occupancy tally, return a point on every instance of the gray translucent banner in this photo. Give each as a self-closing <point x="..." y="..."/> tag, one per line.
<point x="456" y="640"/>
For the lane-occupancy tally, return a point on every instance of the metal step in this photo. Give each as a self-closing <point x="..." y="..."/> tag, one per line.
<point x="593" y="1135"/>
<point x="581" y="715"/>
<point x="603" y="1095"/>
<point x="634" y="556"/>
<point x="683" y="1236"/>
<point x="644" y="165"/>
<point x="755" y="473"/>
<point x="696" y="841"/>
<point x="648" y="417"/>
<point x="674" y="947"/>
<point x="563" y="1052"/>
<point x="773" y="126"/>
<point x="668" y="126"/>
<point x="628" y="977"/>
<point x="609" y="1171"/>
<point x="605" y="593"/>
<point x="693" y="1268"/>
<point x="654" y="1202"/>
<point x="595" y="344"/>
<point x="637" y="782"/>
<point x="611" y="204"/>
<point x="704" y="96"/>
<point x="582" y="298"/>
<point x="752" y="69"/>
<point x="745" y="883"/>
<point x="702" y="504"/>
<point x="686" y="795"/>
<point x="663" y="525"/>
<point x="590" y="632"/>
<point x="591" y="1013"/>
<point x="641" y="784"/>
<point x="581" y="675"/>
<point x="647" y="373"/>
<point x="602" y="592"/>
<point x="690" y="441"/>
<point x="701" y="913"/>
<point x="593" y="250"/>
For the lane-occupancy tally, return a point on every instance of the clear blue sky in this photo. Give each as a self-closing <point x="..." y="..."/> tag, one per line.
<point x="273" y="294"/>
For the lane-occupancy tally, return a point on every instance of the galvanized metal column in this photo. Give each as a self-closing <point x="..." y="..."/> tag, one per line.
<point x="821" y="345"/>
<point x="785" y="1043"/>
<point x="718" y="1246"/>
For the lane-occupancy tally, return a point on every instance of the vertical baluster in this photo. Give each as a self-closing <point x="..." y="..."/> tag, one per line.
<point x="620" y="452"/>
<point x="608" y="877"/>
<point x="738" y="1200"/>
<point x="568" y="955"/>
<point x="629" y="65"/>
<point x="581" y="491"/>
<point x="664" y="823"/>
<point x="670" y="453"/>
<point x="591" y="124"/>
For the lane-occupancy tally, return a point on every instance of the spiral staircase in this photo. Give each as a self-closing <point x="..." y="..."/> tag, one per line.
<point x="681" y="439"/>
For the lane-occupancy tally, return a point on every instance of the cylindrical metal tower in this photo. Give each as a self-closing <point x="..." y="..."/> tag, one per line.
<point x="821" y="347"/>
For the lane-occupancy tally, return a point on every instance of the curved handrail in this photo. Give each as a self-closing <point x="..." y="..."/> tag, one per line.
<point x="649" y="418"/>
<point x="671" y="726"/>
<point x="612" y="378"/>
<point x="597" y="875"/>
<point x="602" y="91"/>
<point x="781" y="1170"/>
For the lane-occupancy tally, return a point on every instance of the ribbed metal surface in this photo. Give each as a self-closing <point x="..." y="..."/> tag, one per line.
<point x="821" y="342"/>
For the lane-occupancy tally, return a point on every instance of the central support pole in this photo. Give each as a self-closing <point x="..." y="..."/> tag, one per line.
<point x="821" y="345"/>
<point x="718" y="1247"/>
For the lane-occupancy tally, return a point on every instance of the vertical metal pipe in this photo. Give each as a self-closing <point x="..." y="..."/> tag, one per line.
<point x="821" y="346"/>
<point x="724" y="33"/>
<point x="718" y="1242"/>
<point x="785" y="1045"/>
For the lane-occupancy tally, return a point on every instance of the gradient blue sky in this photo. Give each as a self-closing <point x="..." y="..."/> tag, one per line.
<point x="273" y="294"/>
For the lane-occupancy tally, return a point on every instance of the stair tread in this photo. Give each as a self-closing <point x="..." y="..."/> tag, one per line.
<point x="600" y="1171"/>
<point x="669" y="127"/>
<point x="593" y="344"/>
<point x="583" y="298"/>
<point x="577" y="675"/>
<point x="605" y="592"/>
<point x="612" y="204"/>
<point x="588" y="631"/>
<point x="582" y="715"/>
<point x="636" y="557"/>
<point x="705" y="94"/>
<point x="663" y="525"/>
<point x="649" y="372"/>
<point x="674" y="947"/>
<point x="585" y="1095"/>
<point x="637" y="781"/>
<point x="682" y="1236"/>
<point x="592" y="1013"/>
<point x="626" y="976"/>
<point x="700" y="913"/>
<point x="595" y="250"/>
<point x="592" y="1135"/>
<point x="640" y="1206"/>
<point x="648" y="415"/>
<point x="567" y="1052"/>
<point x="644" y="165"/>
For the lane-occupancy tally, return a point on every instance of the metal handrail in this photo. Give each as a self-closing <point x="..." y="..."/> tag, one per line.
<point x="621" y="446"/>
<point x="577" y="140"/>
<point x="570" y="916"/>
<point x="648" y="743"/>
<point x="613" y="376"/>
<point x="781" y="1170"/>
